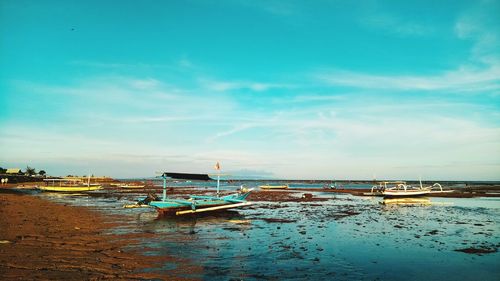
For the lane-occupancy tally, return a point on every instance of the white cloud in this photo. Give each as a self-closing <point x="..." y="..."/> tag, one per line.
<point x="160" y="119"/>
<point x="223" y="86"/>
<point x="414" y="134"/>
<point x="316" y="97"/>
<point x="461" y="80"/>
<point x="305" y="143"/>
<point x="395" y="25"/>
<point x="145" y="84"/>
<point x="336" y="133"/>
<point x="480" y="24"/>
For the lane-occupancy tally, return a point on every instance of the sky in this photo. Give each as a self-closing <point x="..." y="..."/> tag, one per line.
<point x="273" y="89"/>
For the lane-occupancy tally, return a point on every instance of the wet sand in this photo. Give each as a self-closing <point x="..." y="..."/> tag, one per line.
<point x="48" y="241"/>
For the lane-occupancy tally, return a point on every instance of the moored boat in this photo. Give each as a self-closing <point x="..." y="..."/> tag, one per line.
<point x="284" y="186"/>
<point x="70" y="188"/>
<point x="131" y="186"/>
<point x="68" y="185"/>
<point x="400" y="189"/>
<point x="196" y="203"/>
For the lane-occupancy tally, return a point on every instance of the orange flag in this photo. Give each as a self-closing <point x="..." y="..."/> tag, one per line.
<point x="217" y="166"/>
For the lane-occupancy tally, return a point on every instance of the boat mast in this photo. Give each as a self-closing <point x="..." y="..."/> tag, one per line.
<point x="217" y="167"/>
<point x="218" y="183"/>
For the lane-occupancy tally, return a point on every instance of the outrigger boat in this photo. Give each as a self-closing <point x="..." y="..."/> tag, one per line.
<point x="68" y="185"/>
<point x="131" y="186"/>
<point x="398" y="189"/>
<point x="404" y="190"/>
<point x="267" y="186"/>
<point x="197" y="204"/>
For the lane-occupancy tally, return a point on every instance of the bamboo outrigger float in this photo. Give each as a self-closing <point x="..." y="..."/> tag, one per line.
<point x="195" y="203"/>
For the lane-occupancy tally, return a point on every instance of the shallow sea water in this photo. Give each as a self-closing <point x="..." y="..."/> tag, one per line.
<point x="344" y="238"/>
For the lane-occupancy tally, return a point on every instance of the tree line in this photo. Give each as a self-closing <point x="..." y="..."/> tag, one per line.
<point x="28" y="172"/>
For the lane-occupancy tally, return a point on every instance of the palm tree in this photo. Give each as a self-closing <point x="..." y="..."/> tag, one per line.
<point x="30" y="171"/>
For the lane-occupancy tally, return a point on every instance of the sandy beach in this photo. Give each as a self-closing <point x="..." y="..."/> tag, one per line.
<point x="43" y="240"/>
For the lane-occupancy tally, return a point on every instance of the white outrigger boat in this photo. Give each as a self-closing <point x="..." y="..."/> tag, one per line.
<point x="397" y="189"/>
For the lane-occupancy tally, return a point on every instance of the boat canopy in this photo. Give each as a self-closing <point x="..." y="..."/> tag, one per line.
<point x="187" y="176"/>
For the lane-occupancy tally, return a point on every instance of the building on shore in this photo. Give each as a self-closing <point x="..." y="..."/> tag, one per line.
<point x="14" y="171"/>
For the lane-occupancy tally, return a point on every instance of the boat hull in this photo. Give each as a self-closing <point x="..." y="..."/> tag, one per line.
<point x="402" y="194"/>
<point x="197" y="204"/>
<point x="407" y="201"/>
<point x="174" y="211"/>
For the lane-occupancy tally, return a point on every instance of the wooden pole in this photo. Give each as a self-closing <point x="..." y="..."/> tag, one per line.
<point x="164" y="176"/>
<point x="218" y="184"/>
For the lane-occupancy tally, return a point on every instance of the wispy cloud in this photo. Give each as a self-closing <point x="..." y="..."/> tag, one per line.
<point x="236" y="129"/>
<point x="394" y="132"/>
<point x="462" y="80"/>
<point x="117" y="65"/>
<point x="480" y="25"/>
<point x="315" y="98"/>
<point x="395" y="25"/>
<point x="222" y="86"/>
<point x="273" y="7"/>
<point x="160" y="119"/>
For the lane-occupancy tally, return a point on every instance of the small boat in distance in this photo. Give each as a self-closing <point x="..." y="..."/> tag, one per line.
<point x="267" y="186"/>
<point x="132" y="186"/>
<point x="66" y="185"/>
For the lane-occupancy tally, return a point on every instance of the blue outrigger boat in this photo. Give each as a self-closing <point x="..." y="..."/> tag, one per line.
<point x="195" y="203"/>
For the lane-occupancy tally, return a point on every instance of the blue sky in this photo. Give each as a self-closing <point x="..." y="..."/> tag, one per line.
<point x="281" y="89"/>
